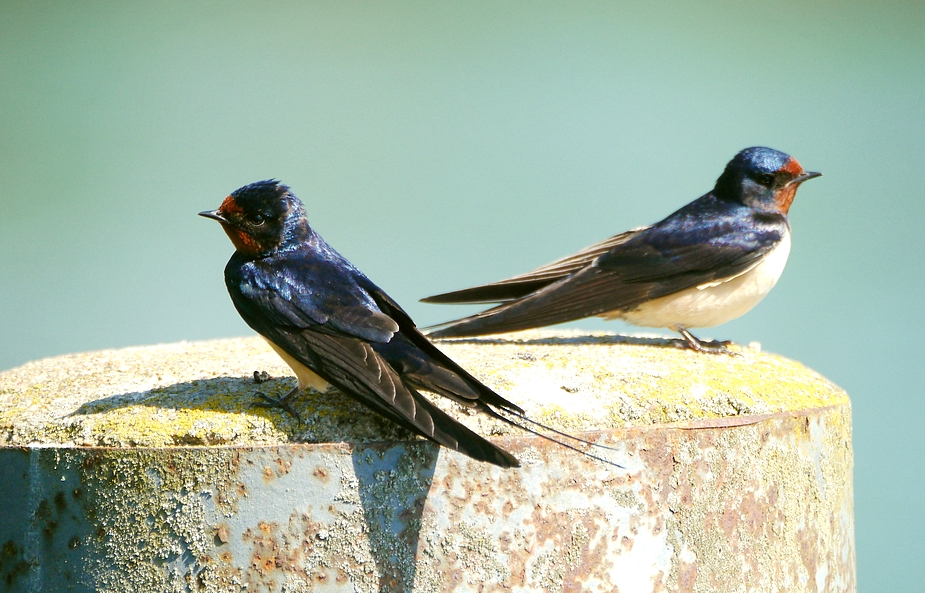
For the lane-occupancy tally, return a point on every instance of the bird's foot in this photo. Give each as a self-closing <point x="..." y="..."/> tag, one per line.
<point x="261" y="377"/>
<point x="283" y="403"/>
<point x="711" y="347"/>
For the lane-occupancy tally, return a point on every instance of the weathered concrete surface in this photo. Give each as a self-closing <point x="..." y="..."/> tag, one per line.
<point x="143" y="469"/>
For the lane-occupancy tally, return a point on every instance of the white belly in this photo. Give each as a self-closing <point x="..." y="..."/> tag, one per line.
<point x="305" y="375"/>
<point x="713" y="303"/>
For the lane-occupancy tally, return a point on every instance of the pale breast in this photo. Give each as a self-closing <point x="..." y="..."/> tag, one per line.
<point x="305" y="375"/>
<point x="715" y="302"/>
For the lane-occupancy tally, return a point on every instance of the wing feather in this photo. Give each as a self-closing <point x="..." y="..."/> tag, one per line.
<point x="524" y="284"/>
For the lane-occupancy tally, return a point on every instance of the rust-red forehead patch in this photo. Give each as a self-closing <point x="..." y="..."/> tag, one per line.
<point x="792" y="167"/>
<point x="230" y="206"/>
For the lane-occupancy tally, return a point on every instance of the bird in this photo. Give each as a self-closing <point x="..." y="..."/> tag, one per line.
<point x="335" y="327"/>
<point x="703" y="265"/>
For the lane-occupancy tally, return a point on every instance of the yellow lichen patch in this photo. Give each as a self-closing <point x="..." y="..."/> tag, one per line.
<point x="201" y="393"/>
<point x="607" y="381"/>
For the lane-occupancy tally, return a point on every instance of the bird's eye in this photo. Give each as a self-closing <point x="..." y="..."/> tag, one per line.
<point x="767" y="179"/>
<point x="257" y="219"/>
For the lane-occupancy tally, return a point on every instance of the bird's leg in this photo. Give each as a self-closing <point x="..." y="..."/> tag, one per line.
<point x="690" y="341"/>
<point x="283" y="403"/>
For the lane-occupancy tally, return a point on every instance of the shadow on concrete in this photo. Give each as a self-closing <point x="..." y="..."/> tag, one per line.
<point x="570" y="341"/>
<point x="327" y="416"/>
<point x="204" y="394"/>
<point x="394" y="481"/>
<point x="393" y="469"/>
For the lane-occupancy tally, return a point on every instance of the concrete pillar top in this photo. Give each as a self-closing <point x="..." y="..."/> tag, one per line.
<point x="198" y="393"/>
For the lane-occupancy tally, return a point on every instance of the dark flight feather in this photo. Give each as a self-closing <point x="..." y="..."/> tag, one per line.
<point x="524" y="284"/>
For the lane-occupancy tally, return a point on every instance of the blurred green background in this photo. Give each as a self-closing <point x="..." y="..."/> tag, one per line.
<point x="440" y="145"/>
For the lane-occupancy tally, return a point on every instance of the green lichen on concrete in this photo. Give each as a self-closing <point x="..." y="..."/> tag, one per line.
<point x="199" y="393"/>
<point x="153" y="526"/>
<point x="148" y="509"/>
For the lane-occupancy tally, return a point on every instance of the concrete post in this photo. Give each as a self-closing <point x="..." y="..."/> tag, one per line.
<point x="143" y="470"/>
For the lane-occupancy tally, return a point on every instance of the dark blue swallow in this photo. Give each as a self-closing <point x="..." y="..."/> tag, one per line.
<point x="709" y="262"/>
<point x="332" y="325"/>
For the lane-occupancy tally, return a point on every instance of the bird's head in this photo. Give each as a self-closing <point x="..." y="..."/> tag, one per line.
<point x="262" y="218"/>
<point x="762" y="178"/>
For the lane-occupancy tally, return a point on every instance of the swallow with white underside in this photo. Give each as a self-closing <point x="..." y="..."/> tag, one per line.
<point x="705" y="264"/>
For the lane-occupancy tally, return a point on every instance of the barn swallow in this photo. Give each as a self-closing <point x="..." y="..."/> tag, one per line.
<point x="333" y="326"/>
<point x="709" y="262"/>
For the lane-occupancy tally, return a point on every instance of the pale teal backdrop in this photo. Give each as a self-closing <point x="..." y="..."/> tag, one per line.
<point x="439" y="145"/>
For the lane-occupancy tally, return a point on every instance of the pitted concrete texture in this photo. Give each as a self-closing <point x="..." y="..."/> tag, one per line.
<point x="145" y="469"/>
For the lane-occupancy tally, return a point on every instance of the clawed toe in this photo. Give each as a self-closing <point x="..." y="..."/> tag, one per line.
<point x="282" y="403"/>
<point x="712" y="347"/>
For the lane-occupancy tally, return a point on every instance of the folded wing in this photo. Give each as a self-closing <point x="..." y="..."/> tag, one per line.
<point x="524" y="284"/>
<point x="636" y="267"/>
<point x="337" y="329"/>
